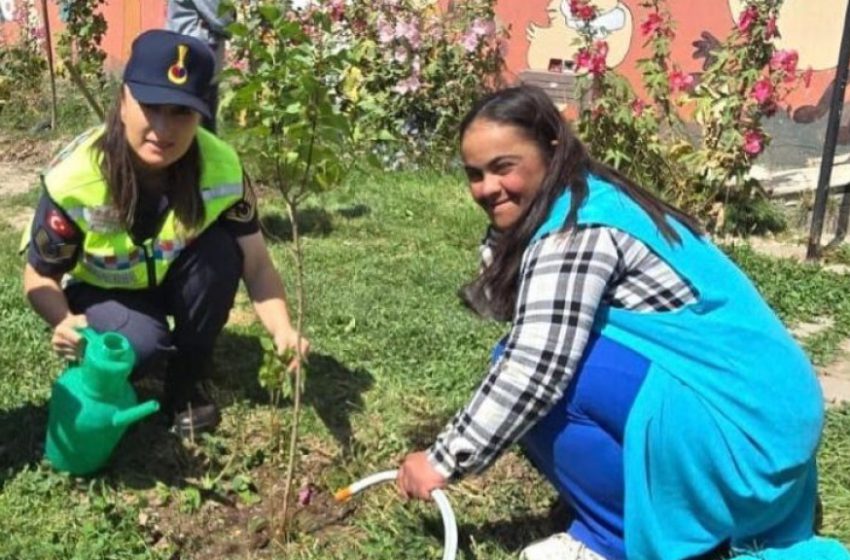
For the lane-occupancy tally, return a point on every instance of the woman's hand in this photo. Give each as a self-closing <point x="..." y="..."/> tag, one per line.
<point x="286" y="340"/>
<point x="66" y="338"/>
<point x="417" y="478"/>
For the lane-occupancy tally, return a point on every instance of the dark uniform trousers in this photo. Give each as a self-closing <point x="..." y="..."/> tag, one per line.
<point x="198" y="292"/>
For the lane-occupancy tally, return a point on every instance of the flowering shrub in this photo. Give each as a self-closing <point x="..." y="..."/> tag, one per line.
<point x="745" y="81"/>
<point x="421" y="67"/>
<point x="413" y="68"/>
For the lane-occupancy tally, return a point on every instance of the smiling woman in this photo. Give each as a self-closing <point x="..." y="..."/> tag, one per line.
<point x="633" y="370"/>
<point x="151" y="217"/>
<point x="504" y="169"/>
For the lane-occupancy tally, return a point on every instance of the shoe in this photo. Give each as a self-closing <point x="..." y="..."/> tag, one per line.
<point x="560" y="546"/>
<point x="194" y="412"/>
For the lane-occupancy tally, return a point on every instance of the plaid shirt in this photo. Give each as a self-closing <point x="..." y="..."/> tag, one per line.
<point x="564" y="279"/>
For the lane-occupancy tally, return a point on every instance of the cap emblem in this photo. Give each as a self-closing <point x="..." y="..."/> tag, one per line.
<point x="177" y="72"/>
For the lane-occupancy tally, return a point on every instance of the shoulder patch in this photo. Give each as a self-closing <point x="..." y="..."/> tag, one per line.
<point x="52" y="251"/>
<point x="58" y="224"/>
<point x="246" y="209"/>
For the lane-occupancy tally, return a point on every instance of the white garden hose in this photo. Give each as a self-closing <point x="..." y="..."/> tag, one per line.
<point x="448" y="515"/>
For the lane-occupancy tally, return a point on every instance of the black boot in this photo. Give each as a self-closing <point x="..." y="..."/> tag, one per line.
<point x="197" y="413"/>
<point x="187" y="401"/>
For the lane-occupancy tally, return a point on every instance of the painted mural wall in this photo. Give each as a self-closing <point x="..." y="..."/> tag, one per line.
<point x="543" y="32"/>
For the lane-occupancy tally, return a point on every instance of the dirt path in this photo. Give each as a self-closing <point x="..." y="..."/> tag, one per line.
<point x="15" y="179"/>
<point x="835" y="377"/>
<point x="20" y="163"/>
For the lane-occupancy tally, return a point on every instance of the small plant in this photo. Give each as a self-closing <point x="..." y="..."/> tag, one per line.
<point x="704" y="170"/>
<point x="274" y="376"/>
<point x="190" y="499"/>
<point x="295" y="104"/>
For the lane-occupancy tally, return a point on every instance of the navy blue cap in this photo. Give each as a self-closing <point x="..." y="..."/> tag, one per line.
<point x="167" y="68"/>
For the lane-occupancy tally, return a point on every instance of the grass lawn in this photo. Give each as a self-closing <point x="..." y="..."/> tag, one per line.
<point x="394" y="355"/>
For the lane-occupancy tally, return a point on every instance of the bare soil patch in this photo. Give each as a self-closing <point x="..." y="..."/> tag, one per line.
<point x="835" y="377"/>
<point x="21" y="160"/>
<point x="187" y="515"/>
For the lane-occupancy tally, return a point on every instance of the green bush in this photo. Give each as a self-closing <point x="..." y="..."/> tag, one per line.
<point x="22" y="72"/>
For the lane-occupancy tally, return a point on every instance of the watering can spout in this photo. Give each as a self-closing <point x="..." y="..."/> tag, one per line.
<point x="124" y="418"/>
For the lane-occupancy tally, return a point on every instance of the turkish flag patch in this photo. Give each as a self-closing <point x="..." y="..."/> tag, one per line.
<point x="57" y="223"/>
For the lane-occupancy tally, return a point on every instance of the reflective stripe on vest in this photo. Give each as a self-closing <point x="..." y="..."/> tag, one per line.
<point x="109" y="257"/>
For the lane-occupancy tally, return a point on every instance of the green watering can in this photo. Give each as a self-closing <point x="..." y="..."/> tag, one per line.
<point x="92" y="404"/>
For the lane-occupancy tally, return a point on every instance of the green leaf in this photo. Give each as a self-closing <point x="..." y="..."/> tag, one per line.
<point x="238" y="29"/>
<point x="267" y="344"/>
<point x="270" y="12"/>
<point x="190" y="499"/>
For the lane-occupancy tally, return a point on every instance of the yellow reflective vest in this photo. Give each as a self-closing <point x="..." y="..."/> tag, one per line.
<point x="109" y="257"/>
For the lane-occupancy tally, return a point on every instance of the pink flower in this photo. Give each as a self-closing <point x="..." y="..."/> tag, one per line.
<point x="806" y="76"/>
<point x="652" y="24"/>
<point x="753" y="142"/>
<point x="409" y="85"/>
<point x="240" y="64"/>
<point x="597" y="65"/>
<point x="637" y="107"/>
<point x="400" y="55"/>
<point x="601" y="48"/>
<point x="747" y="18"/>
<point x="409" y="31"/>
<point x="469" y="42"/>
<point x="582" y="10"/>
<point x="762" y="91"/>
<point x="337" y="9"/>
<point x="785" y="60"/>
<point x="593" y="61"/>
<point x="482" y="27"/>
<point x="770" y="29"/>
<point x="305" y="494"/>
<point x="386" y="32"/>
<point x="583" y="58"/>
<point x="679" y="81"/>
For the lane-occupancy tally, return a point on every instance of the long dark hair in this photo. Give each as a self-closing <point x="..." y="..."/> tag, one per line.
<point x="528" y="108"/>
<point x="183" y="176"/>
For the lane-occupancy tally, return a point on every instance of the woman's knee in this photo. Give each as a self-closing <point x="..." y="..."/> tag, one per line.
<point x="149" y="336"/>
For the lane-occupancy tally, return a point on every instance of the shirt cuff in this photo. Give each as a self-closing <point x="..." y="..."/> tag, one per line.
<point x="441" y="462"/>
<point x="454" y="455"/>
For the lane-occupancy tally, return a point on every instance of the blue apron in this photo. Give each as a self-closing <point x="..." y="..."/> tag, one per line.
<point x="721" y="438"/>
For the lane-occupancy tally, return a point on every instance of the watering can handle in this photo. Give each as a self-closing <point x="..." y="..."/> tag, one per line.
<point x="89" y="335"/>
<point x="443" y="504"/>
